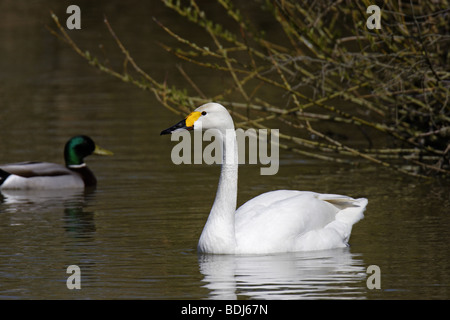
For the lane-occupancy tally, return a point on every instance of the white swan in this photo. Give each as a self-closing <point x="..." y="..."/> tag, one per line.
<point x="276" y="221"/>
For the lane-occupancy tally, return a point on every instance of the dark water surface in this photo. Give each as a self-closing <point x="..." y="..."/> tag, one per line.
<point x="135" y="236"/>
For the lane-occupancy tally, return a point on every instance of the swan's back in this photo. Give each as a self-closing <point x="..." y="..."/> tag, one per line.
<point x="288" y="220"/>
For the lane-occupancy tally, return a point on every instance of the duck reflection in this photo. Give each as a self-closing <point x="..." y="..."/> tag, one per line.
<point x="326" y="274"/>
<point x="77" y="222"/>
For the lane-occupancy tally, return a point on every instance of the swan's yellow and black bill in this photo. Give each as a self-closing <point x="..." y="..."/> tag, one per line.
<point x="101" y="151"/>
<point x="185" y="124"/>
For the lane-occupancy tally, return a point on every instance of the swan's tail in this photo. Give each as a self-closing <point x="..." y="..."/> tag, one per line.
<point x="336" y="233"/>
<point x="351" y="211"/>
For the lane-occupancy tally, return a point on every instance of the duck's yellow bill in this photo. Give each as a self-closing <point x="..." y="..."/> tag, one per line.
<point x="102" y="152"/>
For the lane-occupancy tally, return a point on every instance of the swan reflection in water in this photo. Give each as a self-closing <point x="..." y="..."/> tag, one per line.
<point x="327" y="274"/>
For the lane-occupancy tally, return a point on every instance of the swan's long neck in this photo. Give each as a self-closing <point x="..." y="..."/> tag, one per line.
<point x="218" y="235"/>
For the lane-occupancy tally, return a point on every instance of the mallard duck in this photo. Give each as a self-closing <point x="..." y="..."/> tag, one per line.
<point x="45" y="175"/>
<point x="275" y="221"/>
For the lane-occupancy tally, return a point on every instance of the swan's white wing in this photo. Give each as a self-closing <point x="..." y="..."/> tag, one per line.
<point x="288" y="220"/>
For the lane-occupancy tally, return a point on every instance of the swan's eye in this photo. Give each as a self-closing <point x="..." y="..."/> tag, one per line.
<point x="203" y="113"/>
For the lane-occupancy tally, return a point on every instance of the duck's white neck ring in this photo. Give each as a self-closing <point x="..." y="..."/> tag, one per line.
<point x="77" y="166"/>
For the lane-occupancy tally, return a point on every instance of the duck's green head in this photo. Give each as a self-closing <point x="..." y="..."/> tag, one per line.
<point x="79" y="147"/>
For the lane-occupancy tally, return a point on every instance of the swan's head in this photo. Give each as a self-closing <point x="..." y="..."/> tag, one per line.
<point x="208" y="116"/>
